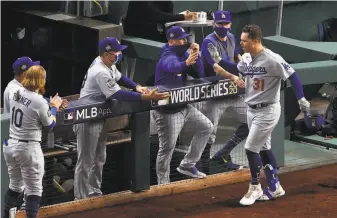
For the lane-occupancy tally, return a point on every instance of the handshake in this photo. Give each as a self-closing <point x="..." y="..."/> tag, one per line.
<point x="216" y="57"/>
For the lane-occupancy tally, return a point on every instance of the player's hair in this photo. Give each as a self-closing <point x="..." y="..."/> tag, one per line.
<point x="35" y="79"/>
<point x="254" y="32"/>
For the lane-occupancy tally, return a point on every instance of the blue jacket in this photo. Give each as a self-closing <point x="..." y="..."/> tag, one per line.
<point x="171" y="71"/>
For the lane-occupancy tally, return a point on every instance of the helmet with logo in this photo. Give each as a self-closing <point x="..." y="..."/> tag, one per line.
<point x="314" y="119"/>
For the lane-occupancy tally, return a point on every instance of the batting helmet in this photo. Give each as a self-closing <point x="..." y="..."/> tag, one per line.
<point x="314" y="119"/>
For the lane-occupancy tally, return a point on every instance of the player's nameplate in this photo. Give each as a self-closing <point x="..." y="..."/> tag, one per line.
<point x="200" y="92"/>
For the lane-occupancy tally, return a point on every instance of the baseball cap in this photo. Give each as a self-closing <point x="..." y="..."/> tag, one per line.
<point x="110" y="44"/>
<point x="222" y="17"/>
<point x="176" y="32"/>
<point x="22" y="64"/>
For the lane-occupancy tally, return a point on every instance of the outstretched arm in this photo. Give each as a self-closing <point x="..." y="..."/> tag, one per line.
<point x="287" y="72"/>
<point x="220" y="65"/>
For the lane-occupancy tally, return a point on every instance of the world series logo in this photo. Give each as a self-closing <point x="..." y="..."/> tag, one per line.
<point x="200" y="92"/>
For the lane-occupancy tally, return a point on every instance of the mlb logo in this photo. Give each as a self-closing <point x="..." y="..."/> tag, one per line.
<point x="69" y="116"/>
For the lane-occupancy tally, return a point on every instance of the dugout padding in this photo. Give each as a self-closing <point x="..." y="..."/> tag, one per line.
<point x="297" y="51"/>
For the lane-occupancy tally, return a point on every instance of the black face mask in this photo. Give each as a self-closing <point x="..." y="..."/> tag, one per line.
<point x="180" y="50"/>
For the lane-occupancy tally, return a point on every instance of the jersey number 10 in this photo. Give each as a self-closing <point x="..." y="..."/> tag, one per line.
<point x="258" y="84"/>
<point x="17" y="117"/>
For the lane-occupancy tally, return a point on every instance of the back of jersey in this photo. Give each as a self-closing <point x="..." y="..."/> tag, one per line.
<point x="12" y="85"/>
<point x="28" y="111"/>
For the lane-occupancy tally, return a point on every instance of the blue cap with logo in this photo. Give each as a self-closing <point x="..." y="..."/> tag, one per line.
<point x="22" y="64"/>
<point x="222" y="17"/>
<point x="110" y="44"/>
<point x="176" y="32"/>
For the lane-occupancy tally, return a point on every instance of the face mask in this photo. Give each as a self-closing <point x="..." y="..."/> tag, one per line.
<point x="180" y="50"/>
<point x="119" y="58"/>
<point x="221" y="31"/>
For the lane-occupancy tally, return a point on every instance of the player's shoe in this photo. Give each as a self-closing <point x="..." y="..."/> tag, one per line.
<point x="268" y="194"/>
<point x="23" y="206"/>
<point x="94" y="194"/>
<point x="254" y="192"/>
<point x="223" y="164"/>
<point x="192" y="172"/>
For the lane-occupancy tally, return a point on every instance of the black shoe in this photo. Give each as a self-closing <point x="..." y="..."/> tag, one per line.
<point x="223" y="164"/>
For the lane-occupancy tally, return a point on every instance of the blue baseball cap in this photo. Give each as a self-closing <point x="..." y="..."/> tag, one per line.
<point x="176" y="32"/>
<point x="110" y="44"/>
<point x="222" y="17"/>
<point x="22" y="64"/>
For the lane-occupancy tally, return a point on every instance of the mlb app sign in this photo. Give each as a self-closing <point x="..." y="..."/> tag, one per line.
<point x="72" y="115"/>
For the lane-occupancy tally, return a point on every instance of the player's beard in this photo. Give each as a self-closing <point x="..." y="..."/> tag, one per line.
<point x="42" y="90"/>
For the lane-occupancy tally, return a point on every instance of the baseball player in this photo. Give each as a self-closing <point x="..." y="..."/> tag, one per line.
<point x="224" y="43"/>
<point x="172" y="69"/>
<point x="20" y="66"/>
<point x="263" y="70"/>
<point x="22" y="151"/>
<point x="102" y="78"/>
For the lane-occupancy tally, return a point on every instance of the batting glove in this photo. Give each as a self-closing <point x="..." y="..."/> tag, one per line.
<point x="213" y="52"/>
<point x="304" y="105"/>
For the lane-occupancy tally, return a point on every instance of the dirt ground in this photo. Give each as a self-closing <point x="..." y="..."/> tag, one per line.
<point x="309" y="193"/>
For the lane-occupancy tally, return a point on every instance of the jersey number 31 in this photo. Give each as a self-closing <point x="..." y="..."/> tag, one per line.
<point x="258" y="84"/>
<point x="17" y="117"/>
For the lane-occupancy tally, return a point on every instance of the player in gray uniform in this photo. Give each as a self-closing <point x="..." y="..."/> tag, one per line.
<point x="172" y="69"/>
<point x="22" y="151"/>
<point x="263" y="70"/>
<point x="224" y="43"/>
<point x="20" y="66"/>
<point x="102" y="78"/>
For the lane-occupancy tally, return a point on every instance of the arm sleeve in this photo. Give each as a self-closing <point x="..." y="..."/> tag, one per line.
<point x="172" y="64"/>
<point x="296" y="85"/>
<point x="230" y="67"/>
<point x="107" y="84"/>
<point x="124" y="95"/>
<point x="236" y="51"/>
<point x="205" y="53"/>
<point x="162" y="17"/>
<point x="126" y="82"/>
<point x="45" y="114"/>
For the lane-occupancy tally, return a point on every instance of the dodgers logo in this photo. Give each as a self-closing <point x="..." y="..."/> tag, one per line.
<point x="285" y="66"/>
<point x="254" y="70"/>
